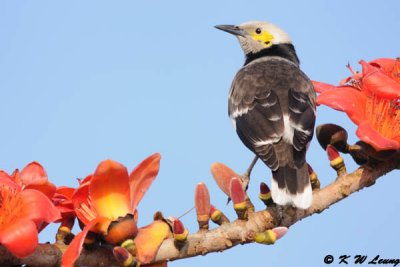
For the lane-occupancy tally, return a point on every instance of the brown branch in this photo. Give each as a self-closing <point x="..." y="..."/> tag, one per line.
<point x="49" y="255"/>
<point x="227" y="235"/>
<point x="240" y="232"/>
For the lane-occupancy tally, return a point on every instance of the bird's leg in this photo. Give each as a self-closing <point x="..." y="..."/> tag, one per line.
<point x="246" y="176"/>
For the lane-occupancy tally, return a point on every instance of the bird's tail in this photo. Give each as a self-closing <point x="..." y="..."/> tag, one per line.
<point x="291" y="186"/>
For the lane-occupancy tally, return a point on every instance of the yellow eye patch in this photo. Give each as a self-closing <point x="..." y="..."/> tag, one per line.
<point x="264" y="37"/>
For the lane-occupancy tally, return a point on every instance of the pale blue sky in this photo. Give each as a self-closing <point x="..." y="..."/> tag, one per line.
<point x="82" y="81"/>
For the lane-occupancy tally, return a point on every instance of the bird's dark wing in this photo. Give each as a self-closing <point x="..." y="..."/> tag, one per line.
<point x="256" y="112"/>
<point x="301" y="103"/>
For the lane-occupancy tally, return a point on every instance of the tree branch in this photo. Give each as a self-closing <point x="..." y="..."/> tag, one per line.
<point x="225" y="236"/>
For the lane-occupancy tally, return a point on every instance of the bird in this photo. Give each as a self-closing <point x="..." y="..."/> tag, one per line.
<point x="272" y="107"/>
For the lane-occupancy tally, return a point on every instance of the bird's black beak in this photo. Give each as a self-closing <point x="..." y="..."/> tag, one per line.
<point x="235" y="30"/>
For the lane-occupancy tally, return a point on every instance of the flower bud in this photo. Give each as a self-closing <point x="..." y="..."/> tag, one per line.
<point x="315" y="184"/>
<point x="239" y="198"/>
<point x="269" y="237"/>
<point x="130" y="246"/>
<point x="217" y="216"/>
<point x="332" y="134"/>
<point x="121" y="229"/>
<point x="180" y="232"/>
<point x="265" y="194"/>
<point x="336" y="160"/>
<point x="202" y="204"/>
<point x="222" y="175"/>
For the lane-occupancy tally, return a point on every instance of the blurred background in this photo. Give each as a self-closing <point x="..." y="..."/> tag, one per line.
<point x="82" y="81"/>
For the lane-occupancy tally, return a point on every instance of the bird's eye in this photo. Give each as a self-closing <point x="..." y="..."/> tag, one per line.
<point x="258" y="30"/>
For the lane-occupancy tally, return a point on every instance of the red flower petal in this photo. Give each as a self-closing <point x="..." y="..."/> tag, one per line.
<point x="75" y="247"/>
<point x="142" y="177"/>
<point x="33" y="176"/>
<point x="20" y="237"/>
<point x="38" y="208"/>
<point x="346" y="80"/>
<point x="15" y="176"/>
<point x="84" y="209"/>
<point x="109" y="190"/>
<point x="149" y="240"/>
<point x="33" y="173"/>
<point x="374" y="107"/>
<point x="3" y="174"/>
<point x="86" y="180"/>
<point x="62" y="199"/>
<point x="81" y="198"/>
<point x="322" y="87"/>
<point x="47" y="188"/>
<point x="372" y="137"/>
<point x="389" y="66"/>
<point x="376" y="81"/>
<point x="385" y="64"/>
<point x="65" y="191"/>
<point x="6" y="180"/>
<point x="345" y="99"/>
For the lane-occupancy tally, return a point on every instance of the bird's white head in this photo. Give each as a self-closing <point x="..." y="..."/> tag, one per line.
<point x="255" y="36"/>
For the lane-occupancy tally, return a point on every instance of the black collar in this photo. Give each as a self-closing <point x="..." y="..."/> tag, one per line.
<point x="286" y="51"/>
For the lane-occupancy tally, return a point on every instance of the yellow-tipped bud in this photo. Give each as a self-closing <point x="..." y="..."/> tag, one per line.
<point x="130" y="246"/>
<point x="240" y="206"/>
<point x="336" y="160"/>
<point x="265" y="194"/>
<point x="63" y="233"/>
<point x="64" y="229"/>
<point x="216" y="215"/>
<point x="181" y="237"/>
<point x="265" y="197"/>
<point x="268" y="237"/>
<point x="179" y="230"/>
<point x="241" y="210"/>
<point x="315" y="184"/>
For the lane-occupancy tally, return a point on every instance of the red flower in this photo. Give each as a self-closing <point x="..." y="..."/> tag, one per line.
<point x="22" y="214"/>
<point x="371" y="99"/>
<point x="106" y="202"/>
<point x="62" y="199"/>
<point x="33" y="176"/>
